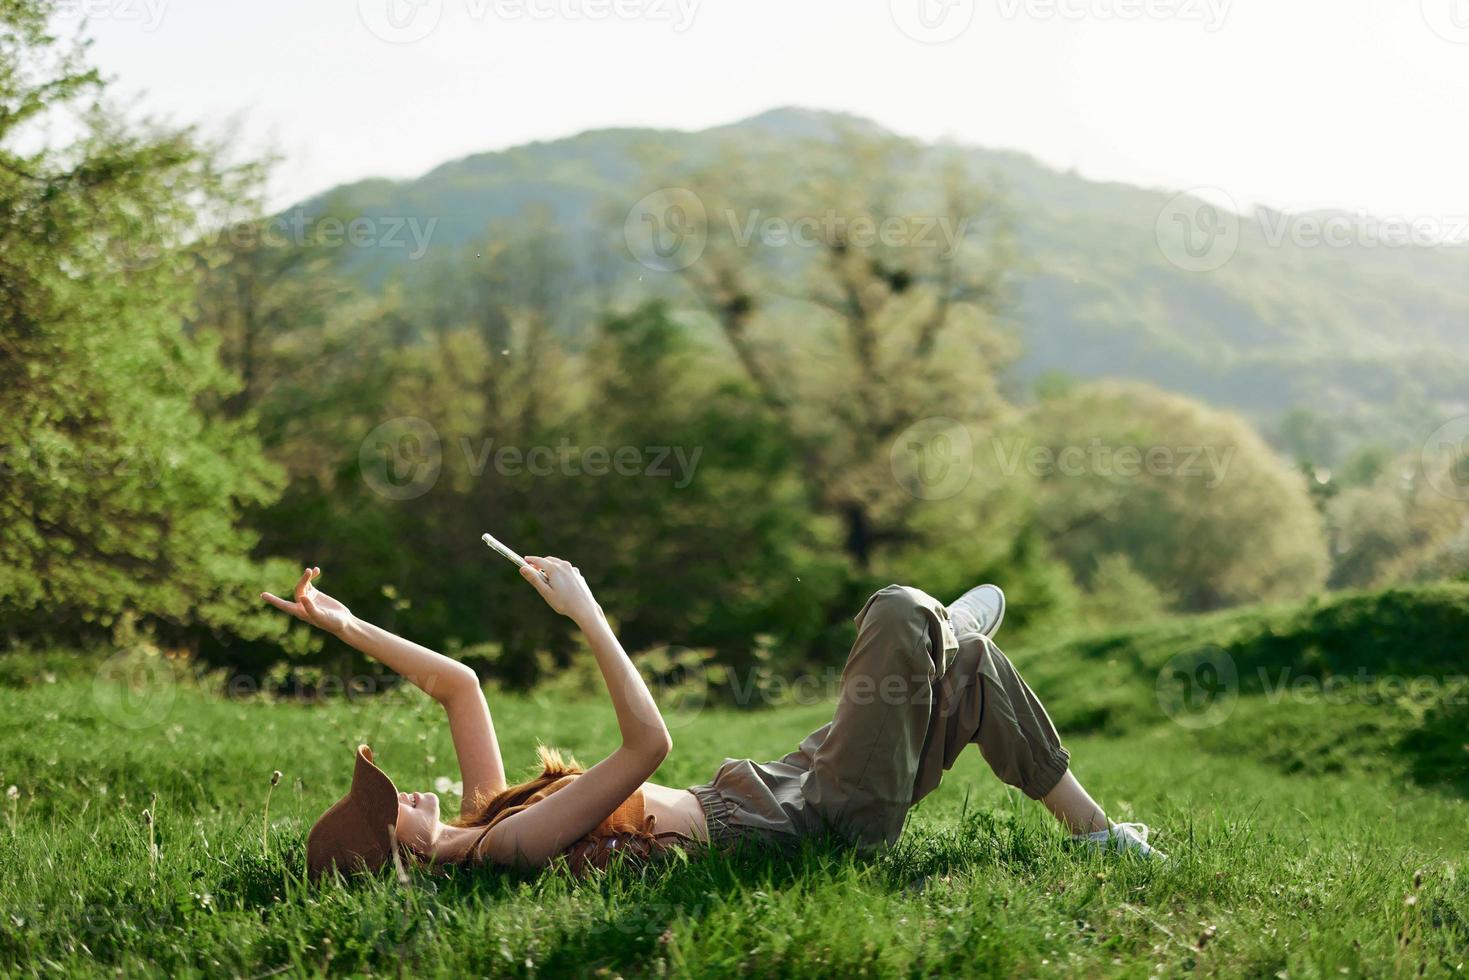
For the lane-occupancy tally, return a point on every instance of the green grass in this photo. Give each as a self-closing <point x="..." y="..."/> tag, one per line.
<point x="1284" y="865"/>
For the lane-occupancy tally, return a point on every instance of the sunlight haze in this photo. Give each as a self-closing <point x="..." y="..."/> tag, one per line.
<point x="1160" y="93"/>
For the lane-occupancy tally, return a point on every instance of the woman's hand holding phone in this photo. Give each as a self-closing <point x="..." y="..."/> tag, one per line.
<point x="561" y="584"/>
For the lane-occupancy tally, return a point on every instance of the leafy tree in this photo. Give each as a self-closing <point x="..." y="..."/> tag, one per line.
<point x="1409" y="524"/>
<point x="717" y="544"/>
<point x="120" y="495"/>
<point x="1308" y="437"/>
<point x="1195" y="499"/>
<point x="863" y="309"/>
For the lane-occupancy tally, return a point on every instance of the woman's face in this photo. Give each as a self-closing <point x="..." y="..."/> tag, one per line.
<point x="418" y="821"/>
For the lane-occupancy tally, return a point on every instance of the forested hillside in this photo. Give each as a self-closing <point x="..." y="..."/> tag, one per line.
<point x="1319" y="315"/>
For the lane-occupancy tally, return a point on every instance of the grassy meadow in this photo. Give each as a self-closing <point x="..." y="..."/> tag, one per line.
<point x="1309" y="838"/>
<point x="746" y="372"/>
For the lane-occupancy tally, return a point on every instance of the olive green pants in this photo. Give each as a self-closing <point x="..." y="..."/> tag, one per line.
<point x="912" y="695"/>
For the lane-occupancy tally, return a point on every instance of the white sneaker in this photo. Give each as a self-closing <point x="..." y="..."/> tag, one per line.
<point x="981" y="609"/>
<point x="1124" y="838"/>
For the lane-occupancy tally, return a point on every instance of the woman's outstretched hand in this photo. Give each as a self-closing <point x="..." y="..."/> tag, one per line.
<point x="563" y="588"/>
<point x="313" y="606"/>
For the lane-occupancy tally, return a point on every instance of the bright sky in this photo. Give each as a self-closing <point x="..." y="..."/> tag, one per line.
<point x="1358" y="104"/>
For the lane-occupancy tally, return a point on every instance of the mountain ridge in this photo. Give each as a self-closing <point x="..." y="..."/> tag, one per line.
<point x="1369" y="336"/>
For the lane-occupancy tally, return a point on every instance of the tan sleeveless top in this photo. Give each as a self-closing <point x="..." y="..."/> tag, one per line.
<point x="628" y="829"/>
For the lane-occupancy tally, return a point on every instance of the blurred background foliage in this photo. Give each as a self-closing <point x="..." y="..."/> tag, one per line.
<point x="190" y="405"/>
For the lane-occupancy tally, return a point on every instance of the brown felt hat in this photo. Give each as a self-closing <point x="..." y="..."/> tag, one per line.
<point x="356" y="832"/>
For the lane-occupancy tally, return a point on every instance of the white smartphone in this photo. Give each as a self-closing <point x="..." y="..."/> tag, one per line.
<point x="520" y="562"/>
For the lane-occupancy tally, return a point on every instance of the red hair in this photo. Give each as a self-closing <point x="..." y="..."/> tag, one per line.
<point x="488" y="806"/>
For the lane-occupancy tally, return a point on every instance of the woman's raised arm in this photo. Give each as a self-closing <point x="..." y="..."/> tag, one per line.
<point x="543" y="831"/>
<point x="442" y="678"/>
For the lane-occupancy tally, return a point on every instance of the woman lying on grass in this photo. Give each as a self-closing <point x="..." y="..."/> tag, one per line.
<point x="921" y="682"/>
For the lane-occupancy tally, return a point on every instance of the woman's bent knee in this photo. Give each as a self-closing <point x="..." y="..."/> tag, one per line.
<point x="893" y="604"/>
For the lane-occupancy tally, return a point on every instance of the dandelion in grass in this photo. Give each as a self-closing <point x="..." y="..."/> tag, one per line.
<point x="275" y="779"/>
<point x="152" y="839"/>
